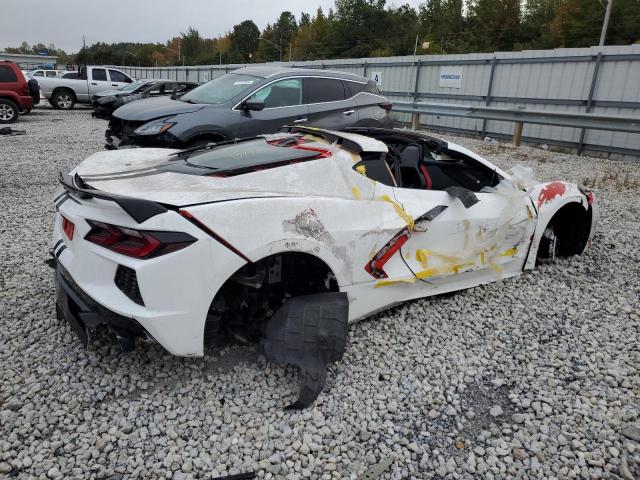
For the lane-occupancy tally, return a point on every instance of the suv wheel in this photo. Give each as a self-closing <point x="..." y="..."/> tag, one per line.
<point x="63" y="100"/>
<point x="8" y="111"/>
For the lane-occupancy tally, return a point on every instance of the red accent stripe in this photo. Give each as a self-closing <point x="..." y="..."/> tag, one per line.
<point x="189" y="216"/>
<point x="427" y="177"/>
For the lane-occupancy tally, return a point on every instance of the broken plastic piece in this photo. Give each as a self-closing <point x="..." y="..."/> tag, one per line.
<point x="11" y="131"/>
<point x="376" y="470"/>
<point x="309" y="331"/>
<point x="238" y="476"/>
<point x="422" y="221"/>
<point x="466" y="196"/>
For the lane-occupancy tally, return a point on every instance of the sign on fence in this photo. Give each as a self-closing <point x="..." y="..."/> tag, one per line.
<point x="450" y="77"/>
<point x="377" y="77"/>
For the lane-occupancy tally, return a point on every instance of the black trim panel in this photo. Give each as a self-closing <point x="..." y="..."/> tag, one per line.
<point x="138" y="209"/>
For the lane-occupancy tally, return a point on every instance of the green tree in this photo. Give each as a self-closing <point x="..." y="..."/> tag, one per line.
<point x="493" y="24"/>
<point x="244" y="40"/>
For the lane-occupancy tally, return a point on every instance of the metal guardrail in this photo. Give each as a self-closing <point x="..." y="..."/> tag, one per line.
<point x="520" y="116"/>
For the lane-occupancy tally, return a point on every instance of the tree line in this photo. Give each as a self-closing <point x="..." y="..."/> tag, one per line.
<point x="371" y="28"/>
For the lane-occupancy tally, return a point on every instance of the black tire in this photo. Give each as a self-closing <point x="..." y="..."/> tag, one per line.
<point x="34" y="90"/>
<point x="63" y="100"/>
<point x="9" y="111"/>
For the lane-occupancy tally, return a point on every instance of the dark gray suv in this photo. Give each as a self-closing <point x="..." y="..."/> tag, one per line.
<point x="248" y="102"/>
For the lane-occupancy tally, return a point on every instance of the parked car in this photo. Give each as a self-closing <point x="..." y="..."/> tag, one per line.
<point x="69" y="75"/>
<point x="283" y="239"/>
<point x="64" y="93"/>
<point x="15" y="92"/>
<point x="251" y="101"/>
<point x="45" y="73"/>
<point x="104" y="103"/>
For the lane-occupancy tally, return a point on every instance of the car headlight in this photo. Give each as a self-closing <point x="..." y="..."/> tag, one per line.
<point x="156" y="127"/>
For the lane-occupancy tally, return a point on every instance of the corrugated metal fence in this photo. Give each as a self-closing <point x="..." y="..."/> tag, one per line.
<point x="599" y="79"/>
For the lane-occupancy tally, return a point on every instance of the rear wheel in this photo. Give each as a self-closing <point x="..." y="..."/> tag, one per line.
<point x="63" y="100"/>
<point x="8" y="111"/>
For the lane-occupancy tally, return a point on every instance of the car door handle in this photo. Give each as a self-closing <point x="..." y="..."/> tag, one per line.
<point x="114" y="84"/>
<point x="348" y="112"/>
<point x="300" y="120"/>
<point x="93" y="83"/>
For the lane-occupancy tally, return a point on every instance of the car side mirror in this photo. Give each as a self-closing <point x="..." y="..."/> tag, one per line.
<point x="255" y="105"/>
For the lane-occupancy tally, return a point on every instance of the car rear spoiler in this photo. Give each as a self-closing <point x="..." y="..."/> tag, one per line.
<point x="138" y="209"/>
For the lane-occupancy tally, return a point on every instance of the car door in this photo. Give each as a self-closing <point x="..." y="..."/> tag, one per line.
<point x="476" y="227"/>
<point x="282" y="106"/>
<point x="99" y="81"/>
<point x="118" y="79"/>
<point x="328" y="104"/>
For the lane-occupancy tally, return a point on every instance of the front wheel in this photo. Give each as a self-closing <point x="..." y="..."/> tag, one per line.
<point x="63" y="100"/>
<point x="8" y="111"/>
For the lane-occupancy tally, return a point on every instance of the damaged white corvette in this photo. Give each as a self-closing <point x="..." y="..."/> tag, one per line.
<point x="284" y="239"/>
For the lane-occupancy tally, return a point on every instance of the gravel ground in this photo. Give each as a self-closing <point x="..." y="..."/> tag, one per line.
<point x="532" y="377"/>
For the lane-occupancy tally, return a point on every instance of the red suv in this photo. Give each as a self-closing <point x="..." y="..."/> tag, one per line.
<point x="15" y="95"/>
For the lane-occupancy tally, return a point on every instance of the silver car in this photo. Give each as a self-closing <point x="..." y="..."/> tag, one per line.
<point x="249" y="102"/>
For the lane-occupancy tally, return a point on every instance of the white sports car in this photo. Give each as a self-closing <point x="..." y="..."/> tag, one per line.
<point x="284" y="239"/>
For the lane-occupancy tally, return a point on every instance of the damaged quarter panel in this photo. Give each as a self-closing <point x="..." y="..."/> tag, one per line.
<point x="549" y="199"/>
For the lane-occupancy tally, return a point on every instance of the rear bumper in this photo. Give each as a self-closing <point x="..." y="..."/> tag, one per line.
<point x="83" y="314"/>
<point x="25" y="102"/>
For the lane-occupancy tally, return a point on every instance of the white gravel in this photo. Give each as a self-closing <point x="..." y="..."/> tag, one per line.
<point x="533" y="377"/>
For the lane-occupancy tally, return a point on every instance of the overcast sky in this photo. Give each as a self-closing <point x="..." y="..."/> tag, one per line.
<point x="63" y="22"/>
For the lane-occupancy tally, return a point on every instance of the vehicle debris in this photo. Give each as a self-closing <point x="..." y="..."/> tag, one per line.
<point x="11" y="131"/>
<point x="309" y="332"/>
<point x="377" y="470"/>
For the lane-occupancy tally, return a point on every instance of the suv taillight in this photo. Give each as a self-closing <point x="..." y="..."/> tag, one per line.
<point x="386" y="105"/>
<point x="136" y="243"/>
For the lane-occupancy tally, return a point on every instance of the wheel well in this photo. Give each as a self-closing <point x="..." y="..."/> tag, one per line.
<point x="255" y="292"/>
<point x="571" y="225"/>
<point x="9" y="99"/>
<point x="211" y="137"/>
<point x="63" y="89"/>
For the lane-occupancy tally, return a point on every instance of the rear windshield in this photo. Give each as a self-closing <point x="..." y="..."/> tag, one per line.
<point x="130" y="87"/>
<point x="247" y="155"/>
<point x="221" y="89"/>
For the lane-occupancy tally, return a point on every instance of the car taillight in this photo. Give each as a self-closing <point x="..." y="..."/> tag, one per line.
<point x="136" y="243"/>
<point x="386" y="105"/>
<point x="68" y="227"/>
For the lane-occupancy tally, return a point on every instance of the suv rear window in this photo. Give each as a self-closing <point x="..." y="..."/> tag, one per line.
<point x="324" y="90"/>
<point x="7" y="74"/>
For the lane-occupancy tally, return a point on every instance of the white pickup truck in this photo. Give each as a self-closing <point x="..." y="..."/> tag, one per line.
<point x="64" y="93"/>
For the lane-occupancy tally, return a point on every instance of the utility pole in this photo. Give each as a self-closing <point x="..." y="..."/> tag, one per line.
<point x="605" y="23"/>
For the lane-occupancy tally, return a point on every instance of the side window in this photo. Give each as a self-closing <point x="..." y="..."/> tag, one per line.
<point x="320" y="90"/>
<point x="283" y="93"/>
<point x="99" y="74"/>
<point x="117" y="76"/>
<point x="354" y="88"/>
<point x="51" y="73"/>
<point x="39" y="73"/>
<point x="7" y="74"/>
<point x="374" y="166"/>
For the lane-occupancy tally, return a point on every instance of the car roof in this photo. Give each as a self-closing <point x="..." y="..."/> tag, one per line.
<point x="279" y="71"/>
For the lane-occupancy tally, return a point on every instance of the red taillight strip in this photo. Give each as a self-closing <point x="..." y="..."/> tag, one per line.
<point x="213" y="234"/>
